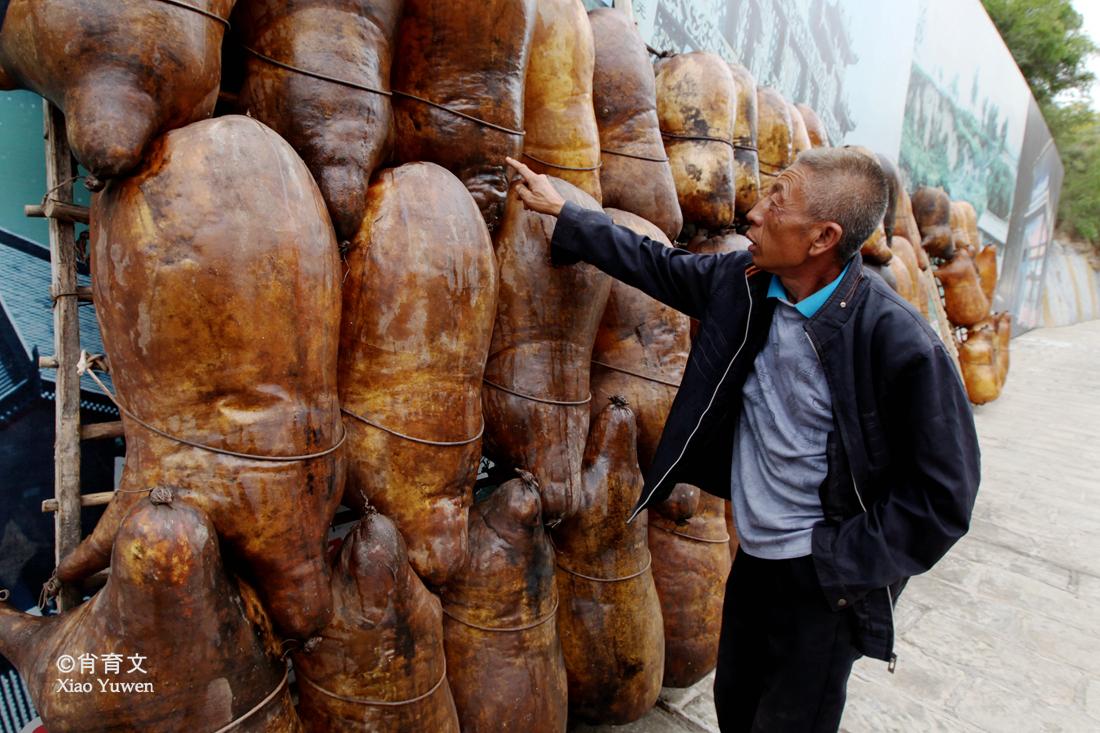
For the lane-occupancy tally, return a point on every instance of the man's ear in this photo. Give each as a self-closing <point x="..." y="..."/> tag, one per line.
<point x="826" y="238"/>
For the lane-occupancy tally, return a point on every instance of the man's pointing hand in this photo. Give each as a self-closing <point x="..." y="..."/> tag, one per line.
<point x="536" y="191"/>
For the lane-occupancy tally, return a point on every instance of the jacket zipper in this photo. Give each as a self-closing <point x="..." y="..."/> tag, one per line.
<point x="893" y="661"/>
<point x="748" y="323"/>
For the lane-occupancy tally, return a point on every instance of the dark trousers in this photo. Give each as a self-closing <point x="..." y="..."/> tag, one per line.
<point x="784" y="656"/>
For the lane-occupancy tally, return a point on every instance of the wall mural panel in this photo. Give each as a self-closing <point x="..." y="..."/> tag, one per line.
<point x="927" y="82"/>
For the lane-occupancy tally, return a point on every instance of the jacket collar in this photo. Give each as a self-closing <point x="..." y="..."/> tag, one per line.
<point x="811" y="304"/>
<point x="838" y="308"/>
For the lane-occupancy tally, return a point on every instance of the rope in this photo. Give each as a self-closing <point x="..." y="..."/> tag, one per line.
<point x="391" y="93"/>
<point x="443" y="443"/>
<point x="702" y="138"/>
<point x="585" y="401"/>
<point x="67" y="181"/>
<point x="636" y="374"/>
<point x="648" y="563"/>
<point x="563" y="167"/>
<point x="779" y="168"/>
<point x="262" y="703"/>
<point x="518" y="628"/>
<point x="315" y="75"/>
<point x="688" y="536"/>
<point x="636" y="157"/>
<point x="418" y="698"/>
<point x="50" y="589"/>
<point x="659" y="54"/>
<point x="471" y="118"/>
<point x="200" y="11"/>
<point x="85" y="367"/>
<point x="745" y="143"/>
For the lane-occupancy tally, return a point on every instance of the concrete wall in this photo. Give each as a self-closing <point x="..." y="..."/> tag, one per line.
<point x="1071" y="291"/>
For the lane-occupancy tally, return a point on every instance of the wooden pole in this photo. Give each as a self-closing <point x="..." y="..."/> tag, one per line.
<point x="66" y="330"/>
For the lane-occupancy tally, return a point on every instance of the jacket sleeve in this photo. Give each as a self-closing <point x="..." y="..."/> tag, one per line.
<point x="928" y="510"/>
<point x="677" y="278"/>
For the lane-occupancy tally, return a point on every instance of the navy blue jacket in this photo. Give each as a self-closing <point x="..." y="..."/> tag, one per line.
<point x="903" y="459"/>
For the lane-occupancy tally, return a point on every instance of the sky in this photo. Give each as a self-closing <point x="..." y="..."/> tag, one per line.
<point x="1090" y="11"/>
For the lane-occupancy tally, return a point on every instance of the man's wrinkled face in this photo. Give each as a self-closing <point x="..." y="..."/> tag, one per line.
<point x="781" y="232"/>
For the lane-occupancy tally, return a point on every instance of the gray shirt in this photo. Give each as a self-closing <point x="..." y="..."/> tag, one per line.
<point x="779" y="443"/>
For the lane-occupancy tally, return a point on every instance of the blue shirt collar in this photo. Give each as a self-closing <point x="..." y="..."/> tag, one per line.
<point x="809" y="305"/>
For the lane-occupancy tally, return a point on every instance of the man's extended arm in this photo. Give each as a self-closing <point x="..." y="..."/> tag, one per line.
<point x="677" y="278"/>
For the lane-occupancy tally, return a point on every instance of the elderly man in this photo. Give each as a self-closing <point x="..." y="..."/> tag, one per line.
<point x="824" y="407"/>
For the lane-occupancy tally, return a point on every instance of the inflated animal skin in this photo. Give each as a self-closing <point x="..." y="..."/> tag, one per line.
<point x="1003" y="322"/>
<point x="216" y="277"/>
<point x="903" y="279"/>
<point x="800" y="139"/>
<point x="746" y="160"/>
<point x="379" y="664"/>
<point x="504" y="656"/>
<point x="978" y="358"/>
<point x="775" y="136"/>
<point x="640" y="351"/>
<point x="469" y="56"/>
<point x="959" y="231"/>
<point x="201" y="642"/>
<point x="419" y="304"/>
<point x="905" y="253"/>
<point x="932" y="211"/>
<point x="910" y="231"/>
<point x="697" y="108"/>
<point x="970" y="217"/>
<point x="877" y="248"/>
<point x="986" y="262"/>
<point x="536" y="393"/>
<point x="636" y="175"/>
<point x="690" y="565"/>
<point x="122" y="71"/>
<point x="815" y="128"/>
<point x="610" y="617"/>
<point x="343" y="133"/>
<point x="963" y="297"/>
<point x="558" y="112"/>
<point x="894" y="184"/>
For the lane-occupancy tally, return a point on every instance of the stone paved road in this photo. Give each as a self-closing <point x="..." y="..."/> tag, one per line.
<point x="1003" y="636"/>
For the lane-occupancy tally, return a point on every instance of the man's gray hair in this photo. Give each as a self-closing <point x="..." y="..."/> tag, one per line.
<point x="847" y="188"/>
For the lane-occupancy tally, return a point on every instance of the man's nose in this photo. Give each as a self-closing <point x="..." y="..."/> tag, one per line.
<point x="756" y="214"/>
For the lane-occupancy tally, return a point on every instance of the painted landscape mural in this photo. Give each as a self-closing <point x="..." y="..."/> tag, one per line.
<point x="926" y="82"/>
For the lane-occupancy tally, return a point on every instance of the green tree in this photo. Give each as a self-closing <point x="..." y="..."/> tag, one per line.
<point x="1076" y="131"/>
<point x="1046" y="40"/>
